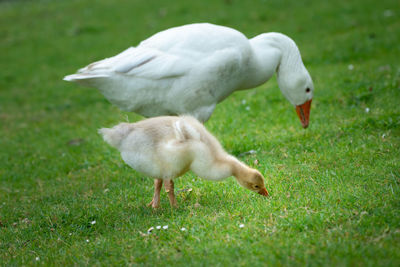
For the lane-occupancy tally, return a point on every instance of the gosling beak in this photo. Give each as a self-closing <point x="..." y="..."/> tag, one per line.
<point x="303" y="111"/>
<point x="263" y="192"/>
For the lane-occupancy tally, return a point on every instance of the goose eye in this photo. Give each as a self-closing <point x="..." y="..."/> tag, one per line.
<point x="308" y="90"/>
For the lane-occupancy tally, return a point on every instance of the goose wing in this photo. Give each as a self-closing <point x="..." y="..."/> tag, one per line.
<point x="167" y="54"/>
<point x="141" y="62"/>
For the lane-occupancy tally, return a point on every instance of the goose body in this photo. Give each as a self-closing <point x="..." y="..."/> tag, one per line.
<point x="167" y="147"/>
<point x="191" y="68"/>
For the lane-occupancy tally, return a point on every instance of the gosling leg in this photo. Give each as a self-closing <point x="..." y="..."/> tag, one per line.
<point x="169" y="188"/>
<point x="155" y="203"/>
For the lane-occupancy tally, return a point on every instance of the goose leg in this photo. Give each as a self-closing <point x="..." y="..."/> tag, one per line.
<point x="155" y="203"/>
<point x="169" y="188"/>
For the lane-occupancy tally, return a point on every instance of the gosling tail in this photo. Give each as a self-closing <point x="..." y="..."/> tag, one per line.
<point x="114" y="136"/>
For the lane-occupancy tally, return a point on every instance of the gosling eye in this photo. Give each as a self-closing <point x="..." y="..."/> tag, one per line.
<point x="308" y="90"/>
<point x="256" y="187"/>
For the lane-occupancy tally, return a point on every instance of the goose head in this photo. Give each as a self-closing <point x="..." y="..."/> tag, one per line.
<point x="298" y="89"/>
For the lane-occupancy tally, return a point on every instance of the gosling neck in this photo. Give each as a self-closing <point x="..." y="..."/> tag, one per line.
<point x="238" y="168"/>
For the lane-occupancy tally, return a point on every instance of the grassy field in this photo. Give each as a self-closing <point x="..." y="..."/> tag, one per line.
<point x="66" y="197"/>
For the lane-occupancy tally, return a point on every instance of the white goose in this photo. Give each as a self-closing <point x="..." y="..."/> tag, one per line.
<point x="191" y="68"/>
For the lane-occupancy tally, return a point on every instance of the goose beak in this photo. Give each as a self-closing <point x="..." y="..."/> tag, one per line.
<point x="263" y="192"/>
<point x="303" y="111"/>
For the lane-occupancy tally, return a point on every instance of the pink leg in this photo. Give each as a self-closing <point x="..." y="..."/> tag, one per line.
<point x="155" y="203"/>
<point x="169" y="188"/>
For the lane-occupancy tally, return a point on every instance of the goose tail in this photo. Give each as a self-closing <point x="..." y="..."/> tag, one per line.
<point x="91" y="73"/>
<point x="83" y="76"/>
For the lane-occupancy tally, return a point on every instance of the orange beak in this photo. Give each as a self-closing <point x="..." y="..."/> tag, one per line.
<point x="303" y="111"/>
<point x="263" y="192"/>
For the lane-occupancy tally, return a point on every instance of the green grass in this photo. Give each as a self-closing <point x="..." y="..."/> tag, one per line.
<point x="335" y="187"/>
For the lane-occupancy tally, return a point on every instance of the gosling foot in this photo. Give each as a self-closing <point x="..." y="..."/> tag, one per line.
<point x="154" y="204"/>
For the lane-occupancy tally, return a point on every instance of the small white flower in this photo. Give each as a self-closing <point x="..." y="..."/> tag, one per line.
<point x="93" y="222"/>
<point x="247" y="108"/>
<point x="383" y="136"/>
<point x="37" y="258"/>
<point x="350" y="67"/>
<point x="388" y="13"/>
<point x="366" y="110"/>
<point x="158" y="227"/>
<point x="87" y="240"/>
<point x="241" y="225"/>
<point x="70" y="233"/>
<point x="106" y="190"/>
<point x="183" y="229"/>
<point x="165" y="227"/>
<point x="150" y="229"/>
<point x="243" y="101"/>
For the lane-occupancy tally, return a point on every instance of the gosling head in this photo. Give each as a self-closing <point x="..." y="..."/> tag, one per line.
<point x="254" y="181"/>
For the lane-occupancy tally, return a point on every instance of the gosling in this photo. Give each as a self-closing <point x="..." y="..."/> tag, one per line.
<point x="166" y="147"/>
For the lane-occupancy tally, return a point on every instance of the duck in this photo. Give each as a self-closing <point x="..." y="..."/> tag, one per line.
<point x="166" y="147"/>
<point x="189" y="69"/>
